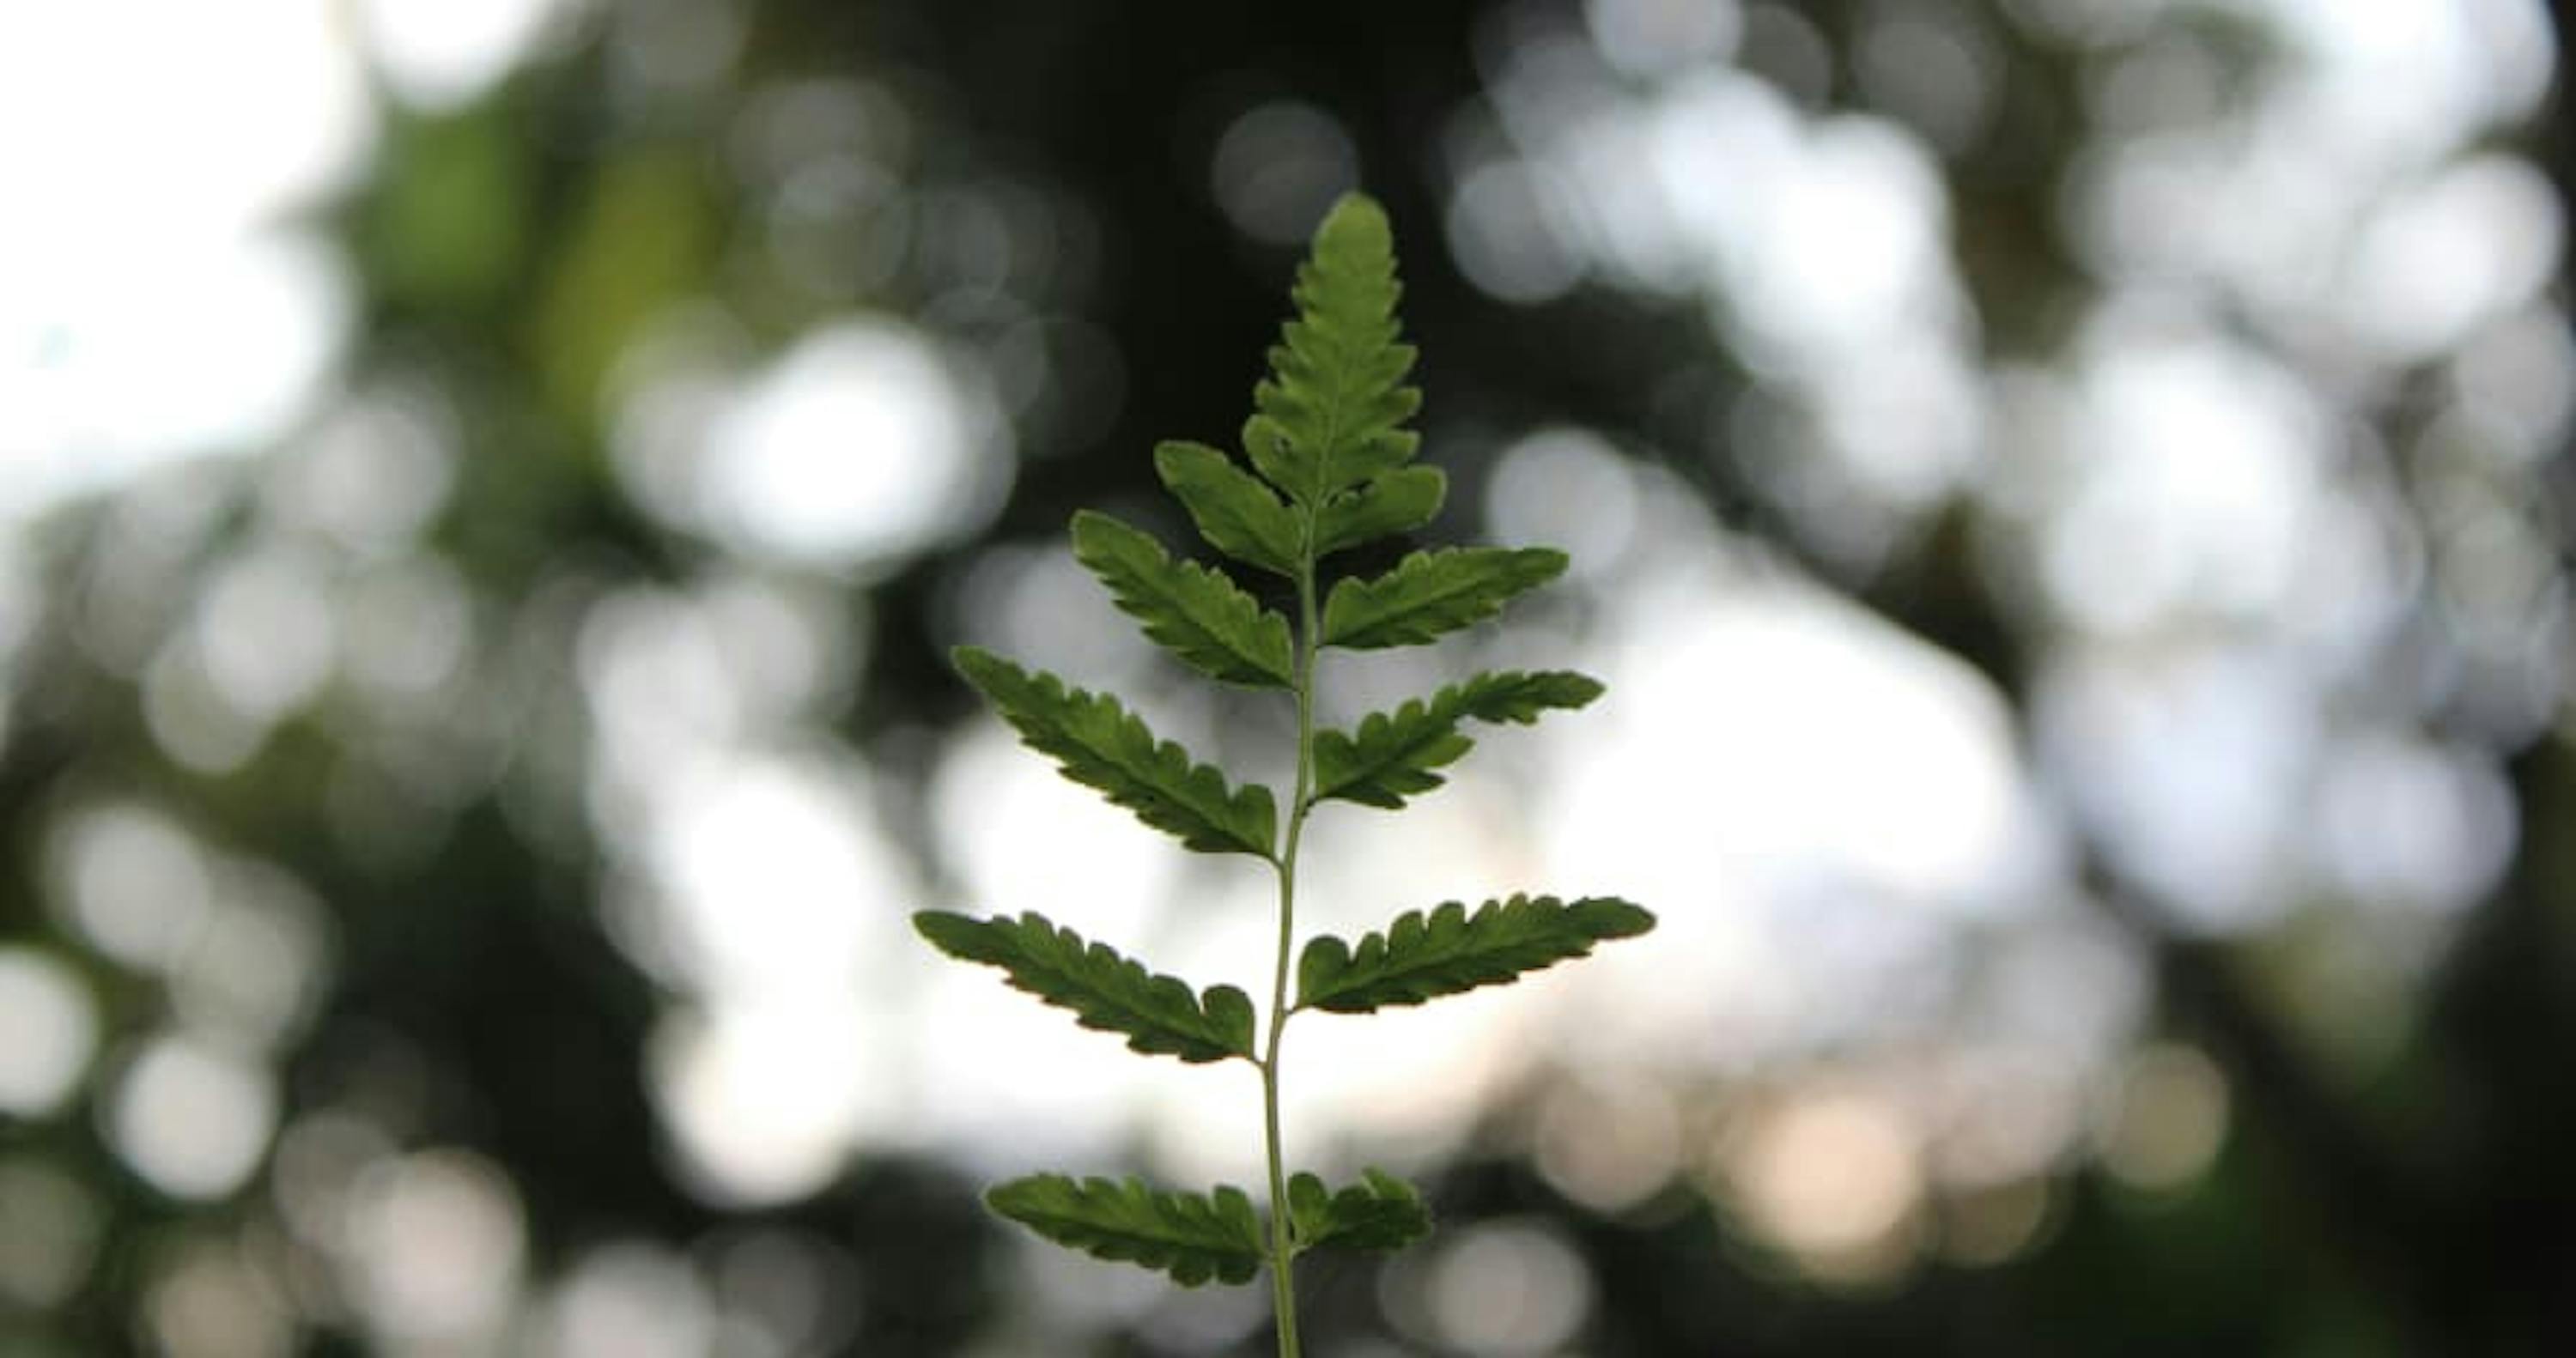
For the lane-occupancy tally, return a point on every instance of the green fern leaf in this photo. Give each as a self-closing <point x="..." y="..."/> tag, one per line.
<point x="1105" y="991"/>
<point x="1391" y="755"/>
<point x="1193" y="1237"/>
<point x="1429" y="593"/>
<point x="1392" y="502"/>
<point x="1326" y="464"/>
<point x="1328" y="413"/>
<point x="1421" y="958"/>
<point x="1099" y="744"/>
<point x="1191" y="611"/>
<point x="1380" y="1213"/>
<point x="1237" y="514"/>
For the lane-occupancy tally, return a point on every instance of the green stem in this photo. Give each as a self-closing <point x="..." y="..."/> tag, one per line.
<point x="1282" y="1243"/>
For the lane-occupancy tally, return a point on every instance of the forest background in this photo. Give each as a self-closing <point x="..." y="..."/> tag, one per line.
<point x="2070" y="498"/>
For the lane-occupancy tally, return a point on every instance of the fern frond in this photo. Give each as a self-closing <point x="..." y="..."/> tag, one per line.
<point x="1107" y="992"/>
<point x="1100" y="745"/>
<point x="1196" y="1238"/>
<point x="1329" y="413"/>
<point x="1237" y="514"/>
<point x="1193" y="612"/>
<point x="1390" y="755"/>
<point x="1432" y="593"/>
<point x="1449" y="952"/>
<point x="1386" y="504"/>
<point x="1381" y="1212"/>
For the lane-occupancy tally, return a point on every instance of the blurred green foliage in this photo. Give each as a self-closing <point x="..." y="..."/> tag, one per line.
<point x="1029" y="182"/>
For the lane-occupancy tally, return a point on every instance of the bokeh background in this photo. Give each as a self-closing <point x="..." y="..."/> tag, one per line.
<point x="2071" y="499"/>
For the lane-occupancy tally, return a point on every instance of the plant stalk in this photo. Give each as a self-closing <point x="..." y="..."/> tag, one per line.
<point x="1282" y="1241"/>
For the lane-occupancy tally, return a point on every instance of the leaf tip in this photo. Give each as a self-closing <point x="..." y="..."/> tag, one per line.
<point x="1609" y="917"/>
<point x="1355" y="218"/>
<point x="931" y="923"/>
<point x="974" y="662"/>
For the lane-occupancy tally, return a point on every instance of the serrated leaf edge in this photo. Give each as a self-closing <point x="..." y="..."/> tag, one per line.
<point x="1219" y="1037"/>
<point x="1168" y="597"/>
<point x="1414" y="931"/>
<point x="1169" y="763"/>
<point x="1175" y="1254"/>
<point x="1518" y="571"/>
<point x="1312" y="1206"/>
<point x="1439" y="717"/>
